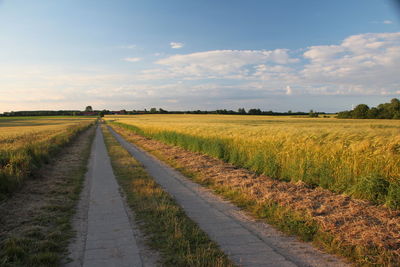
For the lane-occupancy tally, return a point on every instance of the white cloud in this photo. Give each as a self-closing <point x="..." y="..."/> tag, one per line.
<point x="387" y="21"/>
<point x="360" y="64"/>
<point x="364" y="63"/>
<point x="226" y="63"/>
<point x="130" y="46"/>
<point x="132" y="59"/>
<point x="289" y="90"/>
<point x="176" y="45"/>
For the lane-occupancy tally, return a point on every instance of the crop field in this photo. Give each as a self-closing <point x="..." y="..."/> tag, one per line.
<point x="27" y="142"/>
<point x="358" y="157"/>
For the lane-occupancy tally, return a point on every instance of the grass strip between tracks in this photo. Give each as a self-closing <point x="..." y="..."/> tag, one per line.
<point x="167" y="228"/>
<point x="36" y="226"/>
<point x="283" y="217"/>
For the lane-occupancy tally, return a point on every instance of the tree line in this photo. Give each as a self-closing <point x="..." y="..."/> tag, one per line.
<point x="389" y="110"/>
<point x="240" y="111"/>
<point x="41" y="113"/>
<point x="90" y="111"/>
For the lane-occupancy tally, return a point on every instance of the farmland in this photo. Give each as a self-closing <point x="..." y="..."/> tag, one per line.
<point x="358" y="157"/>
<point x="27" y="142"/>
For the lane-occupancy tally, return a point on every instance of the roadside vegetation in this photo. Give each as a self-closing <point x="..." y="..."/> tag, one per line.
<point x="35" y="223"/>
<point x="365" y="233"/>
<point x="360" y="158"/>
<point x="26" y="143"/>
<point x="180" y="241"/>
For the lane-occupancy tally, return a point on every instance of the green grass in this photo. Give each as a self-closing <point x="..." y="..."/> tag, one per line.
<point x="43" y="237"/>
<point x="180" y="241"/>
<point x="286" y="219"/>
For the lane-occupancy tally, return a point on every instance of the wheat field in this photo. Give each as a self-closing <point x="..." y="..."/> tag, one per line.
<point x="27" y="142"/>
<point x="358" y="157"/>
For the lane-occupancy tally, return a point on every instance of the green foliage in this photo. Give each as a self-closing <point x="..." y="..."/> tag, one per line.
<point x="393" y="195"/>
<point x="89" y="109"/>
<point x="360" y="111"/>
<point x="242" y="111"/>
<point x="254" y="111"/>
<point x="372" y="187"/>
<point x="383" y="111"/>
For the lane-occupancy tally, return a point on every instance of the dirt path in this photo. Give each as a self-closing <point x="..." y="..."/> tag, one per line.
<point x="246" y="242"/>
<point x="106" y="236"/>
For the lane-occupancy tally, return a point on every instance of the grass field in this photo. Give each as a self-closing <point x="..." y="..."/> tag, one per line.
<point x="27" y="142"/>
<point x="358" y="157"/>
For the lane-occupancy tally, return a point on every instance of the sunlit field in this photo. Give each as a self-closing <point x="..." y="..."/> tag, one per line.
<point x="357" y="157"/>
<point x="27" y="142"/>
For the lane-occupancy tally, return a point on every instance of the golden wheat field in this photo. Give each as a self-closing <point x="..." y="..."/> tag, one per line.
<point x="16" y="132"/>
<point x="25" y="143"/>
<point x="357" y="157"/>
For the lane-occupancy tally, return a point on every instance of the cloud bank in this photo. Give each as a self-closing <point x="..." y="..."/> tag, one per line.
<point x="363" y="65"/>
<point x="360" y="64"/>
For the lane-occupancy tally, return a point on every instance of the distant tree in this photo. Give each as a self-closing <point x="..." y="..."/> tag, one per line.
<point x="89" y="109"/>
<point x="242" y="111"/>
<point x="382" y="111"/>
<point x="221" y="111"/>
<point x="312" y="114"/>
<point x="360" y="111"/>
<point x="395" y="108"/>
<point x="153" y="110"/>
<point x="254" y="111"/>
<point x="372" y="113"/>
<point x="162" y="111"/>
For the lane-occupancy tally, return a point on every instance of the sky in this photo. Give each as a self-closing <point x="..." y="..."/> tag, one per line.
<point x="186" y="55"/>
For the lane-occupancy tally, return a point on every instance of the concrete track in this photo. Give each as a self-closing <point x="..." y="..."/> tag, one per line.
<point x="105" y="234"/>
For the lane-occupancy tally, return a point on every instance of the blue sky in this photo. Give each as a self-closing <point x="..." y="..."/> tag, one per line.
<point x="279" y="55"/>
